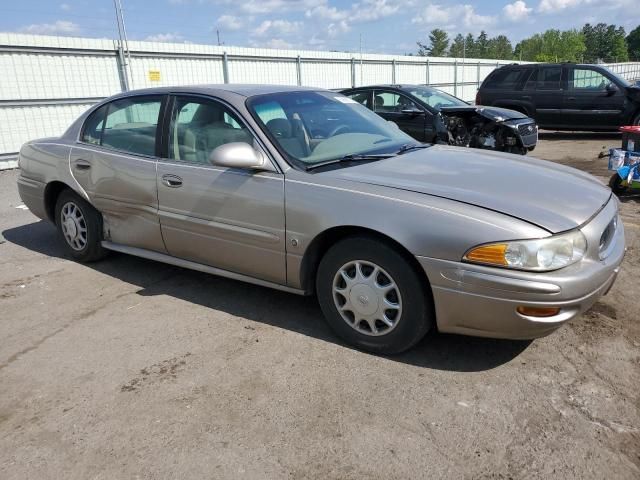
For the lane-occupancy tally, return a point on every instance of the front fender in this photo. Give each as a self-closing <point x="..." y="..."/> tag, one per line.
<point x="424" y="225"/>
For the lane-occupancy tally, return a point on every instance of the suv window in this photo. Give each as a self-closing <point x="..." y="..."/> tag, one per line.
<point x="387" y="102"/>
<point x="587" y="79"/>
<point x="360" y="97"/>
<point x="200" y="126"/>
<point x="546" y="78"/>
<point x="506" y="78"/>
<point x="129" y="124"/>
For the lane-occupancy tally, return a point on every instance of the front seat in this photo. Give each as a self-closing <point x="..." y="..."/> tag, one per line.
<point x="282" y="130"/>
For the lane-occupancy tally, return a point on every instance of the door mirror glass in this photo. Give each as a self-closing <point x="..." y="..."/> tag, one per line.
<point x="237" y="155"/>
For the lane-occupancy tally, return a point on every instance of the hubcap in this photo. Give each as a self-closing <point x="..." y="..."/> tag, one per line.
<point x="367" y="298"/>
<point x="74" y="227"/>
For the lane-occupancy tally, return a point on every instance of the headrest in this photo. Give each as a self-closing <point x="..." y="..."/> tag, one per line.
<point x="280" y="127"/>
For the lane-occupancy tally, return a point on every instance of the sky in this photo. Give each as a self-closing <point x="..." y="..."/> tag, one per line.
<point x="385" y="26"/>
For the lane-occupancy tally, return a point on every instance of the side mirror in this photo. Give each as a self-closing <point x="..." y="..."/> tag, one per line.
<point x="611" y="88"/>
<point x="411" y="111"/>
<point x="238" y="155"/>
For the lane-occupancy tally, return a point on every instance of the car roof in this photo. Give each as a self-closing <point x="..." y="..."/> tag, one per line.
<point x="245" y="90"/>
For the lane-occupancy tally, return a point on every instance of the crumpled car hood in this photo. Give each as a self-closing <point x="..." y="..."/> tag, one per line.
<point x="545" y="194"/>
<point x="495" y="114"/>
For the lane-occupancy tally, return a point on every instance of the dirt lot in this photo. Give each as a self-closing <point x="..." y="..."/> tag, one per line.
<point x="134" y="369"/>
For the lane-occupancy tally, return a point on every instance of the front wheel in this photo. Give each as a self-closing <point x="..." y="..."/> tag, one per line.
<point x="80" y="226"/>
<point x="372" y="297"/>
<point x="615" y="183"/>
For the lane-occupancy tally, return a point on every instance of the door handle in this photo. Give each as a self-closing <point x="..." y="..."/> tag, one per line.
<point x="82" y="165"/>
<point x="172" y="181"/>
<point x="571" y="98"/>
<point x="526" y="97"/>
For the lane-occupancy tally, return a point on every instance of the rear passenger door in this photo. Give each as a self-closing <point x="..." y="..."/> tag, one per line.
<point x="392" y="105"/>
<point x="546" y="88"/>
<point x="227" y="218"/>
<point x="114" y="162"/>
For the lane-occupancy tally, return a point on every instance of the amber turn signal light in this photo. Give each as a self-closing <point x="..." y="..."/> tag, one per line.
<point x="492" y="254"/>
<point x="538" y="311"/>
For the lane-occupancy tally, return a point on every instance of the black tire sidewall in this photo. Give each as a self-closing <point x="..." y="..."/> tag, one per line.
<point x="93" y="249"/>
<point x="417" y="315"/>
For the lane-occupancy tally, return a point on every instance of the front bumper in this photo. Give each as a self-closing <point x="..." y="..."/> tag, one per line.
<point x="481" y="301"/>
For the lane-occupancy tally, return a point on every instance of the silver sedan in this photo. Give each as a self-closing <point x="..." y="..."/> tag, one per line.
<point x="307" y="191"/>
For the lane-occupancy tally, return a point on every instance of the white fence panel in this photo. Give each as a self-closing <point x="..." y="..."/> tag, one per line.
<point x="158" y="71"/>
<point x="412" y="73"/>
<point x="263" y="71"/>
<point x="29" y="122"/>
<point x="324" y="74"/>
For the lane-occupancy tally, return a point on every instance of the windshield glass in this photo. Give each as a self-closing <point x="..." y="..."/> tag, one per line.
<point x="313" y="127"/>
<point x="435" y="98"/>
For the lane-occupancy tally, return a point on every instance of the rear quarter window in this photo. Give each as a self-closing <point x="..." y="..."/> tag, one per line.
<point x="507" y="79"/>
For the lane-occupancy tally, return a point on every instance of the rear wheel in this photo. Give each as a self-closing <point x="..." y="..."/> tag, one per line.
<point x="372" y="297"/>
<point x="80" y="227"/>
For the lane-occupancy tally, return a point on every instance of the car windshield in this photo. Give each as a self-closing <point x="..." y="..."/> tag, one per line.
<point x="312" y="127"/>
<point x="435" y="98"/>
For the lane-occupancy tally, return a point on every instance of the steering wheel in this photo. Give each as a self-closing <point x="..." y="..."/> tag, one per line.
<point x="338" y="130"/>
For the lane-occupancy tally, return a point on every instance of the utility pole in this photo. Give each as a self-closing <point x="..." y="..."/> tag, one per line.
<point x="360" y="59"/>
<point x="218" y="35"/>
<point x="122" y="32"/>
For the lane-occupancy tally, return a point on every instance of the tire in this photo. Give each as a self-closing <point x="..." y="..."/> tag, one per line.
<point x="410" y="311"/>
<point x="80" y="227"/>
<point x="615" y="183"/>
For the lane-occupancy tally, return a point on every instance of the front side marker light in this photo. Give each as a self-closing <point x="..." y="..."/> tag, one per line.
<point x="538" y="311"/>
<point x="493" y="254"/>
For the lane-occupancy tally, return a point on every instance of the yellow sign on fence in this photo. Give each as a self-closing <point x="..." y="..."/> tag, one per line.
<point x="154" y="75"/>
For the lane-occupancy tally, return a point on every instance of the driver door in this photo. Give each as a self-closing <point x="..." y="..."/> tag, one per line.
<point x="389" y="105"/>
<point x="227" y="218"/>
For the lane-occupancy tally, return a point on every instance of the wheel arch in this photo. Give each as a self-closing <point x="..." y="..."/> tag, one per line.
<point x="329" y="237"/>
<point x="51" y="193"/>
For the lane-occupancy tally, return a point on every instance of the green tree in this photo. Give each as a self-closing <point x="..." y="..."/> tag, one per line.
<point x="457" y="47"/>
<point x="552" y="46"/>
<point x="482" y="45"/>
<point x="633" y="44"/>
<point x="605" y="42"/>
<point x="470" y="46"/>
<point x="438" y="44"/>
<point x="500" y="48"/>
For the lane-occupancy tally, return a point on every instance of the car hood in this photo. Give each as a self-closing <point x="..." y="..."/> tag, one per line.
<point x="545" y="194"/>
<point x="495" y="114"/>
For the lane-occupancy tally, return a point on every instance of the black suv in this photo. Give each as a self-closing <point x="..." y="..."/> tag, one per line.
<point x="564" y="96"/>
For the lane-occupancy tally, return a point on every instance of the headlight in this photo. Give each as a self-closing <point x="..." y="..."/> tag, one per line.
<point x="539" y="255"/>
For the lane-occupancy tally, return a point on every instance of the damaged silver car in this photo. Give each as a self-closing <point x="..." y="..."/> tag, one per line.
<point x="433" y="116"/>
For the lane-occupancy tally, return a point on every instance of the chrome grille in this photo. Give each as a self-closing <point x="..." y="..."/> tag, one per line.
<point x="527" y="129"/>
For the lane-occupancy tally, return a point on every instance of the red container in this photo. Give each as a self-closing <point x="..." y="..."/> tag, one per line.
<point x="631" y="138"/>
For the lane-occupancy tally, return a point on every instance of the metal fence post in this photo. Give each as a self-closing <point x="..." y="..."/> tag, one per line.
<point x="299" y="70"/>
<point x="455" y="78"/>
<point x="225" y="67"/>
<point x="353" y="72"/>
<point x="122" y="69"/>
<point x="427" y="72"/>
<point x="478" y="74"/>
<point x="393" y="71"/>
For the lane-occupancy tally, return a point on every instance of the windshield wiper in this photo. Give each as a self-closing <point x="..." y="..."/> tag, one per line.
<point x="411" y="146"/>
<point x="352" y="158"/>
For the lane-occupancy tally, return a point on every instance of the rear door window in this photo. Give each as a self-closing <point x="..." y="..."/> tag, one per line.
<point x="361" y="97"/>
<point x="546" y="78"/>
<point x="506" y="78"/>
<point x="131" y="125"/>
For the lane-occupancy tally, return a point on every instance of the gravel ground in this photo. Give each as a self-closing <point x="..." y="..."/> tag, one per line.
<point x="134" y="369"/>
